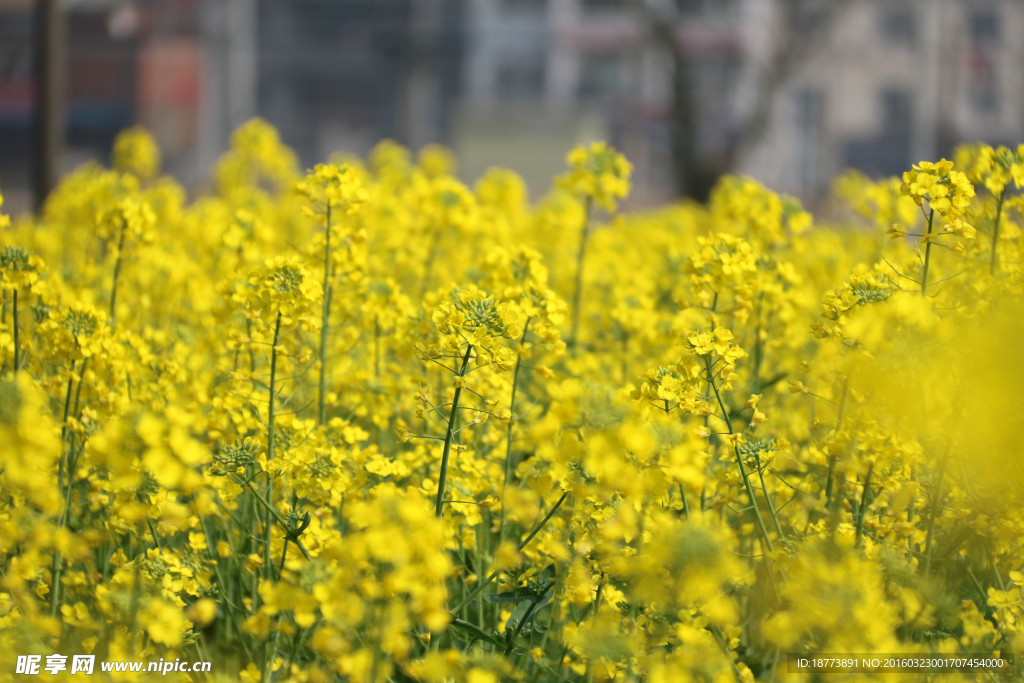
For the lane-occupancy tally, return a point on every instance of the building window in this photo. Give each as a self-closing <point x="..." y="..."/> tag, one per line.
<point x="520" y="79"/>
<point x="522" y="6"/>
<point x="887" y="154"/>
<point x="897" y="26"/>
<point x="602" y="5"/>
<point x="984" y="27"/>
<point x="690" y="8"/>
<point x="717" y="76"/>
<point x="599" y="77"/>
<point x="896" y="113"/>
<point x="983" y="90"/>
<point x="810" y="116"/>
<point x="705" y="8"/>
<point x="808" y="19"/>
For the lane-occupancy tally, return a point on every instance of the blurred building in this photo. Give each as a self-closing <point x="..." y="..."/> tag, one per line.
<point x="873" y="84"/>
<point x="332" y="75"/>
<point x="16" y="98"/>
<point x="126" y="63"/>
<point x="342" y="74"/>
<point x="543" y="75"/>
<point x="894" y="82"/>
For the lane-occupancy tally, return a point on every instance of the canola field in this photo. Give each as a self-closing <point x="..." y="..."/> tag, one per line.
<point x="367" y="423"/>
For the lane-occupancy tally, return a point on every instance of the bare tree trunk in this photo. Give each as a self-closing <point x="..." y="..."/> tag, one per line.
<point x="684" y="112"/>
<point x="803" y="23"/>
<point x="692" y="175"/>
<point x="242" y="62"/>
<point x="50" y="66"/>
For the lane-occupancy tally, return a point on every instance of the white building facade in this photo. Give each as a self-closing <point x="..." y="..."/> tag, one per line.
<point x="870" y="84"/>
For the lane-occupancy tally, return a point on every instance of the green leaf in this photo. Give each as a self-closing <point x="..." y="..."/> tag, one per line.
<point x="476" y="632"/>
<point x="517" y="595"/>
<point x="518" y="614"/>
<point x="537" y="605"/>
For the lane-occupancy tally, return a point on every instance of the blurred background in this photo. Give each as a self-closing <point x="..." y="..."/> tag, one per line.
<point x="788" y="91"/>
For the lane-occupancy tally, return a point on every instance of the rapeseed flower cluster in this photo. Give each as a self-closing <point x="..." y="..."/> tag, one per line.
<point x="372" y="424"/>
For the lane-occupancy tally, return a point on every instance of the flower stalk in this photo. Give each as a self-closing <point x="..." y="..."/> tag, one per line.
<point x="862" y="510"/>
<point x="577" y="296"/>
<point x="324" y="322"/>
<point x="64" y="470"/>
<point x="995" y="233"/>
<point x="442" y="478"/>
<point x="927" y="254"/>
<point x="522" y="544"/>
<point x="511" y="426"/>
<point x="839" y="426"/>
<point x="936" y="506"/>
<point x="758" y="521"/>
<point x="270" y="446"/>
<point x="17" y="344"/>
<point x="117" y="273"/>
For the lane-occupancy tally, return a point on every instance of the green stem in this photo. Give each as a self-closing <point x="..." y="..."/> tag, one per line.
<point x="252" y="356"/>
<point x="55" y="581"/>
<point x="511" y="423"/>
<point x="910" y="515"/>
<point x="272" y="512"/>
<point x="485" y="543"/>
<point x="768" y="498"/>
<point x="117" y="273"/>
<point x="762" y="530"/>
<point x="449" y="437"/>
<point x="479" y="567"/>
<point x="522" y="544"/>
<point x="990" y="556"/>
<point x="55" y="585"/>
<point x="270" y="445"/>
<point x="211" y="551"/>
<point x="435" y="240"/>
<point x="977" y="584"/>
<point x="272" y="389"/>
<point x="927" y="255"/>
<point x="936" y="506"/>
<point x="536" y="529"/>
<point x="686" y="506"/>
<point x="284" y="556"/>
<point x="577" y="297"/>
<point x="995" y="234"/>
<point x="64" y="424"/>
<point x="758" y="348"/>
<point x="296" y="641"/>
<point x="625" y="358"/>
<point x="376" y="347"/>
<point x="17" y="358"/>
<point x="519" y="627"/>
<point x="839" y="426"/>
<point x="597" y="598"/>
<point x="72" y="462"/>
<point x="324" y="327"/>
<point x="152" y="531"/>
<point x="78" y="391"/>
<point x="269" y="657"/>
<point x="863" y="511"/>
<point x="133" y="600"/>
<point x="725" y="651"/>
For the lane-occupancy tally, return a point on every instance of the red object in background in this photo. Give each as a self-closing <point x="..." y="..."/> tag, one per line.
<point x="168" y="91"/>
<point x="16" y="101"/>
